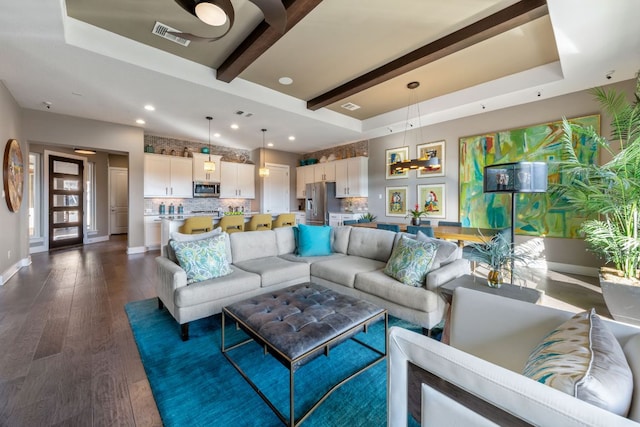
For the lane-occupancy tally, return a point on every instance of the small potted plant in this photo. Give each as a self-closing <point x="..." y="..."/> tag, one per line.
<point x="499" y="256"/>
<point x="415" y="215"/>
<point x="367" y="217"/>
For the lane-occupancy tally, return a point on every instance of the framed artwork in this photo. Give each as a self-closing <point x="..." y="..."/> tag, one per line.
<point x="431" y="198"/>
<point x="396" y="201"/>
<point x="393" y="155"/>
<point x="13" y="175"/>
<point x="537" y="214"/>
<point x="431" y="150"/>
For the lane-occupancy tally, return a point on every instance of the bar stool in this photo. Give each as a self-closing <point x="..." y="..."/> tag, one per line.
<point x="232" y="223"/>
<point x="284" y="220"/>
<point x="259" y="222"/>
<point x="196" y="225"/>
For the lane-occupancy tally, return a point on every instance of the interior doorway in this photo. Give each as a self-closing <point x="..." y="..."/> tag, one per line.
<point x="275" y="197"/>
<point x="66" y="202"/>
<point x="118" y="200"/>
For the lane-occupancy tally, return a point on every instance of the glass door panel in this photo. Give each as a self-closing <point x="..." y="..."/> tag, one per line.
<point x="66" y="203"/>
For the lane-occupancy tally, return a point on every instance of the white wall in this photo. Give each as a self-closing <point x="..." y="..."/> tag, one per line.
<point x="14" y="240"/>
<point x="563" y="251"/>
<point x="48" y="128"/>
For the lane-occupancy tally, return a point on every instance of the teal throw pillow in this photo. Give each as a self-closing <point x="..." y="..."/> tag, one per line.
<point x="202" y="259"/>
<point x="410" y="261"/>
<point x="584" y="359"/>
<point x="314" y="240"/>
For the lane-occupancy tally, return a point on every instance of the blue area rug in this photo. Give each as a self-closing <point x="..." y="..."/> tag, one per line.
<point x="195" y="385"/>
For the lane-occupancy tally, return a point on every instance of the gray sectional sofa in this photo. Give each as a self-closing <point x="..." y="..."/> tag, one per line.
<point x="268" y="260"/>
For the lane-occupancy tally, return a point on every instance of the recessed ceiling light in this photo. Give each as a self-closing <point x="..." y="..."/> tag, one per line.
<point x="292" y="138"/>
<point x="234" y="126"/>
<point x="84" y="151"/>
<point x="217" y="135"/>
<point x="140" y="122"/>
<point x="270" y="144"/>
<point x="149" y="107"/>
<point x="285" y="81"/>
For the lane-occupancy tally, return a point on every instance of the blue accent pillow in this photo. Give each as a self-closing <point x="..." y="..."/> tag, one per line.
<point x="314" y="240"/>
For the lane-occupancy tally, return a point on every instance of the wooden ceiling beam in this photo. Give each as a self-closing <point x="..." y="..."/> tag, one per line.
<point x="261" y="39"/>
<point x="506" y="19"/>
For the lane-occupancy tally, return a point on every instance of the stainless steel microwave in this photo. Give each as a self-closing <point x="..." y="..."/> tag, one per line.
<point x="206" y="189"/>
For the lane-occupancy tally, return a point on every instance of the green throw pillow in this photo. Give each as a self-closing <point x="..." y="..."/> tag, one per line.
<point x="410" y="261"/>
<point x="584" y="359"/>
<point x="202" y="259"/>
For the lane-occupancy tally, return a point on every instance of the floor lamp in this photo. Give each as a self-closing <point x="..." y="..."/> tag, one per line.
<point x="517" y="177"/>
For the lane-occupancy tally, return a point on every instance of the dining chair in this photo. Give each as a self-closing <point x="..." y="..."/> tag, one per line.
<point x="390" y="227"/>
<point x="232" y="223"/>
<point x="427" y="231"/>
<point x="349" y="221"/>
<point x="284" y="220"/>
<point x="196" y="225"/>
<point x="259" y="222"/>
<point x="450" y="223"/>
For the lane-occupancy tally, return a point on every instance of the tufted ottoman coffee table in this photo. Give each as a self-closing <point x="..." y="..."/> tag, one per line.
<point x="300" y="323"/>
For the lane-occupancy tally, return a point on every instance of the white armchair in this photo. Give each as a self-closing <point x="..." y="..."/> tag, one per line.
<point x="476" y="379"/>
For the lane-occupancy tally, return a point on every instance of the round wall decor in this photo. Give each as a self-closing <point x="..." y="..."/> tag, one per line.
<point x="13" y="175"/>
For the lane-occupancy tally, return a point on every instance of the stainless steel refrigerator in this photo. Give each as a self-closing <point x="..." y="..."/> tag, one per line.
<point x="321" y="199"/>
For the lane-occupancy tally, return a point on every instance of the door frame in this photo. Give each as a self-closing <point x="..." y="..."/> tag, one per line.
<point x="45" y="209"/>
<point x="115" y="168"/>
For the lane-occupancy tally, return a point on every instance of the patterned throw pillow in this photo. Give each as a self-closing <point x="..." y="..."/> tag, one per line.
<point x="410" y="261"/>
<point x="180" y="237"/>
<point x="584" y="359"/>
<point x="202" y="259"/>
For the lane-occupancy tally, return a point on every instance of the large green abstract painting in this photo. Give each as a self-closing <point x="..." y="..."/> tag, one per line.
<point x="536" y="214"/>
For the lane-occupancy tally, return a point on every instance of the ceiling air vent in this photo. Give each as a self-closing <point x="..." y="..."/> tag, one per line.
<point x="350" y="106"/>
<point x="162" y="30"/>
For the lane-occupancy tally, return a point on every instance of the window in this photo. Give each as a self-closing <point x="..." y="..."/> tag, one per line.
<point x="35" y="196"/>
<point x="91" y="197"/>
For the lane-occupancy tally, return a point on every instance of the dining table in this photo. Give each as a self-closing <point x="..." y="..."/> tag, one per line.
<point x="446" y="232"/>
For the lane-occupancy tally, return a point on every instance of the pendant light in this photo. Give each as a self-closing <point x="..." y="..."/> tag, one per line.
<point x="263" y="171"/>
<point x="209" y="165"/>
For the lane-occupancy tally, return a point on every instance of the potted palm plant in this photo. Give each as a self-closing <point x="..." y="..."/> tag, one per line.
<point x="609" y="194"/>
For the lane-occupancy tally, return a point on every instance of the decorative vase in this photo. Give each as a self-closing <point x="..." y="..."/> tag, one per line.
<point x="415" y="221"/>
<point x="494" y="278"/>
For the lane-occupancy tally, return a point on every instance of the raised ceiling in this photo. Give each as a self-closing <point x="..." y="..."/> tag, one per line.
<point x="338" y="41"/>
<point x="98" y="60"/>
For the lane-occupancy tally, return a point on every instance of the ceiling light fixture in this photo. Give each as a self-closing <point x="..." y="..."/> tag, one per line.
<point x="263" y="171"/>
<point x="84" y="151"/>
<point x="149" y="107"/>
<point x="217" y="12"/>
<point x="235" y="126"/>
<point x="430" y="160"/>
<point x="140" y="121"/>
<point x="285" y="81"/>
<point x="292" y="138"/>
<point x="209" y="165"/>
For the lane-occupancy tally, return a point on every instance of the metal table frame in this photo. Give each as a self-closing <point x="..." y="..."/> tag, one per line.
<point x="291" y="364"/>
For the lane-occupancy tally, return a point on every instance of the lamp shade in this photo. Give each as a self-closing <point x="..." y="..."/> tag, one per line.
<point x="518" y="177"/>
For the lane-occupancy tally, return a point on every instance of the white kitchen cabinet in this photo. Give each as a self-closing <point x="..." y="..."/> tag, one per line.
<point x="167" y="176"/>
<point x="300" y="182"/>
<point x="301" y="218"/>
<point x="152" y="225"/>
<point x="199" y="173"/>
<point x="237" y="181"/>
<point x="352" y="178"/>
<point x="338" y="219"/>
<point x="308" y="175"/>
<point x="324" y="172"/>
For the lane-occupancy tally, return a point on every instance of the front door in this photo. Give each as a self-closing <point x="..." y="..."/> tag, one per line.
<point x="66" y="202"/>
<point x="118" y="200"/>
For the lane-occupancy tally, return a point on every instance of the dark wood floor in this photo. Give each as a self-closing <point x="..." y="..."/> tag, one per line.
<point x="67" y="354"/>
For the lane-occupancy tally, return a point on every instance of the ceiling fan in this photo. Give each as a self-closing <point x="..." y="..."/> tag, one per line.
<point x="217" y="12"/>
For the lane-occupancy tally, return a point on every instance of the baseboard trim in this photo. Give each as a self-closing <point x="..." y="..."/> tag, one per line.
<point x="136" y="250"/>
<point x="573" y="269"/>
<point x="8" y="273"/>
<point x="96" y="239"/>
